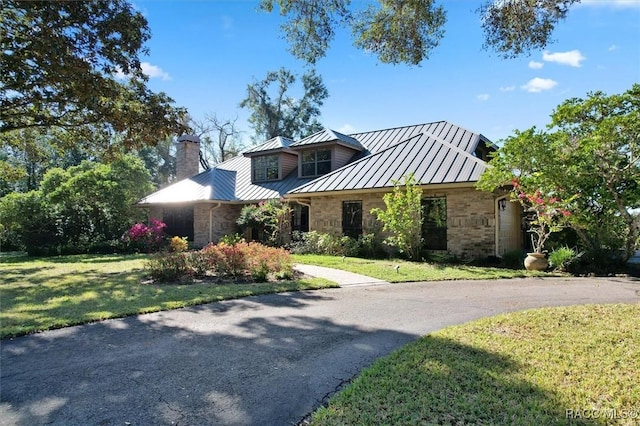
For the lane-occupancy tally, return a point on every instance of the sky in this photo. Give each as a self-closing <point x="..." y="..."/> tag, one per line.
<point x="204" y="53"/>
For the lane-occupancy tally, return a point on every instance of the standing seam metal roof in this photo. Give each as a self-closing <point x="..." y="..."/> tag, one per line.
<point x="432" y="160"/>
<point x="438" y="152"/>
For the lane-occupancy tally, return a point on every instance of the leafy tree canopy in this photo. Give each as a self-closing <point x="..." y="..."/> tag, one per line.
<point x="282" y="114"/>
<point x="58" y="60"/>
<point x="591" y="149"/>
<point x="407" y="31"/>
<point x="78" y="207"/>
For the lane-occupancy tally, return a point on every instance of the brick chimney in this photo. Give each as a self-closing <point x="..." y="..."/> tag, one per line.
<point x="187" y="156"/>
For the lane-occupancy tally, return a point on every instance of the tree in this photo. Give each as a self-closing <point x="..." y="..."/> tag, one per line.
<point x="219" y="138"/>
<point x="58" y="61"/>
<point x="407" y="31"/>
<point x="78" y="208"/>
<point x="285" y="115"/>
<point x="403" y="217"/>
<point x="590" y="154"/>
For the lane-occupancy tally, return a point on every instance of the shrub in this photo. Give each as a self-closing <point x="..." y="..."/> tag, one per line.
<point x="562" y="257"/>
<point x="232" y="239"/>
<point x="178" y="244"/>
<point x="169" y="267"/>
<point x="145" y="238"/>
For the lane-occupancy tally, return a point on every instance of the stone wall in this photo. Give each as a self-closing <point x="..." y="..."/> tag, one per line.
<point x="470" y="218"/>
<point x="223" y="222"/>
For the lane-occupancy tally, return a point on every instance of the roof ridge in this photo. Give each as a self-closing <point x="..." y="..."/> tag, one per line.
<point x="399" y="127"/>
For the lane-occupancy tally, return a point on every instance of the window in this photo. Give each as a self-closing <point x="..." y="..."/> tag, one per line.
<point x="316" y="162"/>
<point x="179" y="221"/>
<point x="352" y="218"/>
<point x="265" y="168"/>
<point x="434" y="225"/>
<point x="300" y="218"/>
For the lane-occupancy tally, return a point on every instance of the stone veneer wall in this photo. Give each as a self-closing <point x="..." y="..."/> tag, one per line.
<point x="223" y="221"/>
<point x="470" y="218"/>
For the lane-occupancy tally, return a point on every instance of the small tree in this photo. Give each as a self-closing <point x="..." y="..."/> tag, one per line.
<point x="272" y="216"/>
<point x="403" y="217"/>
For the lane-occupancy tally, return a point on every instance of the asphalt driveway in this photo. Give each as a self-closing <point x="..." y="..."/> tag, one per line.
<point x="266" y="360"/>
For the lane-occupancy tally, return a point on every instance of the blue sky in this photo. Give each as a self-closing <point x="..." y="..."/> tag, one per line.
<point x="204" y="54"/>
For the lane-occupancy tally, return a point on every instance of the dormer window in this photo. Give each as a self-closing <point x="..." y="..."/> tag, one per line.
<point x="265" y="168"/>
<point x="316" y="162"/>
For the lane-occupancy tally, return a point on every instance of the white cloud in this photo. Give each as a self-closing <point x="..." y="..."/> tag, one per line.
<point x="508" y="88"/>
<point x="538" y="84"/>
<point x="347" y="129"/>
<point x="535" y="65"/>
<point x="153" y="71"/>
<point x="613" y="47"/>
<point x="572" y="58"/>
<point x="483" y="97"/>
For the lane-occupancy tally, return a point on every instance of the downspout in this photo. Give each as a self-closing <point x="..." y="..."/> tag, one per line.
<point x="211" y="220"/>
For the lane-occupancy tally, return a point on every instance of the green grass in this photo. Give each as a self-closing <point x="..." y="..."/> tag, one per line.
<point x="42" y="294"/>
<point x="413" y="271"/>
<point x="524" y="368"/>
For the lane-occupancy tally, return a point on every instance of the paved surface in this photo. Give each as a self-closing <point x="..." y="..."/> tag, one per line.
<point x="266" y="360"/>
<point x="343" y="278"/>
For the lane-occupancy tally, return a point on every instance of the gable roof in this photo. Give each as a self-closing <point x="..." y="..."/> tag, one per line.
<point x="438" y="152"/>
<point x="328" y="135"/>
<point x="431" y="160"/>
<point x="273" y="144"/>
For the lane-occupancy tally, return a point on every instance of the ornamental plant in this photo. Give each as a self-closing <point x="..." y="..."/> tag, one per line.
<point x="146" y="238"/>
<point x="549" y="214"/>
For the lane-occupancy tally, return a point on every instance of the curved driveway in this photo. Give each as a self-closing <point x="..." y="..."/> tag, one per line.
<point x="266" y="360"/>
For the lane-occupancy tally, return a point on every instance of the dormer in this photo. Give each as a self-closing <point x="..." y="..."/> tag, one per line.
<point x="484" y="149"/>
<point x="324" y="152"/>
<point x="273" y="160"/>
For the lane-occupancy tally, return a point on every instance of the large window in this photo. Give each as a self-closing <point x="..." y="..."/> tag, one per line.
<point x="179" y="221"/>
<point x="434" y="225"/>
<point x="316" y="162"/>
<point x="352" y="218"/>
<point x="265" y="168"/>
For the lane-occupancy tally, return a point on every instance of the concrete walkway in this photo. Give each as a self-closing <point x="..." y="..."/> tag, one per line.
<point x="342" y="278"/>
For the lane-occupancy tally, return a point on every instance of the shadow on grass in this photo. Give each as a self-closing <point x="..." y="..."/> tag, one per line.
<point x="265" y="364"/>
<point x="437" y="380"/>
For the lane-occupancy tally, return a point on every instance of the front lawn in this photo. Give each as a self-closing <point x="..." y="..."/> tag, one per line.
<point x="45" y="293"/>
<point x="413" y="271"/>
<point x="569" y="365"/>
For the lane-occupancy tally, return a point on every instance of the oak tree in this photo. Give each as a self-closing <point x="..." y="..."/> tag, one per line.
<point x="276" y="112"/>
<point x="407" y="31"/>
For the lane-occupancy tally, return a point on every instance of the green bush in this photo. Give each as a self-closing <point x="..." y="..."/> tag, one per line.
<point x="562" y="257"/>
<point x="169" y="267"/>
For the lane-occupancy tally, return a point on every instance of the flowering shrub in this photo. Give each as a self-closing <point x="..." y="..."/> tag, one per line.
<point x="224" y="260"/>
<point x="146" y="238"/>
<point x="549" y="214"/>
<point x="178" y="244"/>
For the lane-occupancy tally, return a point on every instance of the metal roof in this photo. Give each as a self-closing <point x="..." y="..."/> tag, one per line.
<point x="328" y="135"/>
<point x="279" y="142"/>
<point x="431" y="160"/>
<point x="438" y="152"/>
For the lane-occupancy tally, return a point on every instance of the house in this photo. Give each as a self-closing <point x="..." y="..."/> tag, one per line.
<point x="333" y="181"/>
